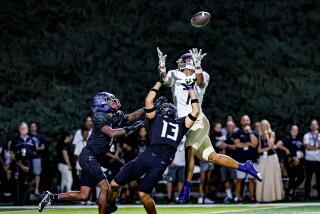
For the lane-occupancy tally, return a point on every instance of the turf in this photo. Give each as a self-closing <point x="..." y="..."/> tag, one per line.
<point x="183" y="210"/>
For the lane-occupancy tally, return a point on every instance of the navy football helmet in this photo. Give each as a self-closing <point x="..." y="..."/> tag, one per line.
<point x="160" y="101"/>
<point x="167" y="110"/>
<point x="105" y="102"/>
<point x="186" y="62"/>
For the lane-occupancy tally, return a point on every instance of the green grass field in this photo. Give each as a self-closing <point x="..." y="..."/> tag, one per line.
<point x="256" y="209"/>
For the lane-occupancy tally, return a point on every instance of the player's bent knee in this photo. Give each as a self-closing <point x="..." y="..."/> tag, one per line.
<point x="84" y="197"/>
<point x="104" y="186"/>
<point x="213" y="157"/>
<point x="114" y="184"/>
<point x="143" y="196"/>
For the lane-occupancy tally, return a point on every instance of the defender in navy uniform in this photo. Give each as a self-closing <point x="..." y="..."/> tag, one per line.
<point x="106" y="118"/>
<point x="166" y="132"/>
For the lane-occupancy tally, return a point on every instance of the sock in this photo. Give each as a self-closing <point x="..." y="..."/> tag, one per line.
<point x="187" y="183"/>
<point x="229" y="194"/>
<point x="54" y="197"/>
<point x="241" y="167"/>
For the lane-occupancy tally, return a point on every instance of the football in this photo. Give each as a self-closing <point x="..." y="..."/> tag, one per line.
<point x="200" y="19"/>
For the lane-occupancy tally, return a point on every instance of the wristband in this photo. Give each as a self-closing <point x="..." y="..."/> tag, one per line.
<point x="194" y="101"/>
<point x="154" y="90"/>
<point x="192" y="117"/>
<point x="150" y="109"/>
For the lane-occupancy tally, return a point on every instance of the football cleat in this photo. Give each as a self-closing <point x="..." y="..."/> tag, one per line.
<point x="112" y="207"/>
<point x="251" y="169"/>
<point x="185" y="194"/>
<point x="46" y="200"/>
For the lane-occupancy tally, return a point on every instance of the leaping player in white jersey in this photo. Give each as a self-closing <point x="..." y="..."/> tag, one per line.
<point x="190" y="74"/>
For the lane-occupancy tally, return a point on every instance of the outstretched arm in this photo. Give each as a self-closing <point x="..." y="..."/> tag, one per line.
<point x="107" y="130"/>
<point x="149" y="106"/>
<point x="197" y="57"/>
<point x="135" y="115"/>
<point x="192" y="117"/>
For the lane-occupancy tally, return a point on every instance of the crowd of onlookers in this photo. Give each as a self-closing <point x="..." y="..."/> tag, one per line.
<point x="31" y="163"/>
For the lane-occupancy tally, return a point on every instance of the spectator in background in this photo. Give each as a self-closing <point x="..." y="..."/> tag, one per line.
<point x="37" y="160"/>
<point x="293" y="148"/>
<point x="257" y="127"/>
<point x="176" y="171"/>
<point x="229" y="118"/>
<point x="65" y="154"/>
<point x="78" y="148"/>
<point x="271" y="187"/>
<point x="246" y="142"/>
<point x="228" y="147"/>
<point x="22" y="149"/>
<point x="87" y="122"/>
<point x="312" y="157"/>
<point x="142" y="139"/>
<point x="3" y="168"/>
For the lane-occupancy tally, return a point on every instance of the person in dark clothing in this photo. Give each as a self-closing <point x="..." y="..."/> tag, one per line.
<point x="3" y="169"/>
<point x="106" y="118"/>
<point x="22" y="149"/>
<point x="65" y="161"/>
<point x="166" y="132"/>
<point x="294" y="150"/>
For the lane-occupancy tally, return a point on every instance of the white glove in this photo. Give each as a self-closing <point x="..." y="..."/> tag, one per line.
<point x="197" y="57"/>
<point x="162" y="61"/>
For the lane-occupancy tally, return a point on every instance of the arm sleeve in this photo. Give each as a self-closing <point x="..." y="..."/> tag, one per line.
<point x="101" y="119"/>
<point x="206" y="78"/>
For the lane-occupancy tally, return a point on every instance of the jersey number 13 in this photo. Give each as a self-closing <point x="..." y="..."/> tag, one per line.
<point x="172" y="128"/>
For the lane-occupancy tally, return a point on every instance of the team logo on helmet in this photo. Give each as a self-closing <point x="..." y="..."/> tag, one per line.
<point x="105" y="102"/>
<point x="186" y="62"/>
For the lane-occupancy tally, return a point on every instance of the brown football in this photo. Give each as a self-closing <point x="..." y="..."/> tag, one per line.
<point x="200" y="19"/>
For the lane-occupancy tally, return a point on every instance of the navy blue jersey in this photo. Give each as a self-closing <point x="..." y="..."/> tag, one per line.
<point x="230" y="141"/>
<point x="167" y="131"/>
<point x="244" y="154"/>
<point x="26" y="148"/>
<point x="293" y="144"/>
<point x="99" y="143"/>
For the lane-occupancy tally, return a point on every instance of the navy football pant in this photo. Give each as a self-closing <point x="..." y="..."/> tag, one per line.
<point x="148" y="165"/>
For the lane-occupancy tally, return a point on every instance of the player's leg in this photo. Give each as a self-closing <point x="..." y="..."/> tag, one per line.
<point x="194" y="139"/>
<point x="148" y="182"/>
<point x="103" y="196"/>
<point x="226" y="161"/>
<point x="82" y="195"/>
<point x="148" y="203"/>
<point x="131" y="171"/>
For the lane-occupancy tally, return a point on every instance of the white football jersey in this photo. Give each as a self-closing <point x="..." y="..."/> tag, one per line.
<point x="180" y="94"/>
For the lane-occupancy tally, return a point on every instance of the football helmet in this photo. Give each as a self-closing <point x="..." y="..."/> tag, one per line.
<point x="105" y="102"/>
<point x="186" y="62"/>
<point x="167" y="110"/>
<point x="160" y="101"/>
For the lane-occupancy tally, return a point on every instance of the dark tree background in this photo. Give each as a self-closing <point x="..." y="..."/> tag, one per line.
<point x="263" y="57"/>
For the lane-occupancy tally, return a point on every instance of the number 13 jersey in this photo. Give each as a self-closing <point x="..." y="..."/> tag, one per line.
<point x="167" y="131"/>
<point x="180" y="93"/>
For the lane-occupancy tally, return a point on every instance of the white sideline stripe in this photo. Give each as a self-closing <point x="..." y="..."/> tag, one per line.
<point x="244" y="210"/>
<point x="166" y="206"/>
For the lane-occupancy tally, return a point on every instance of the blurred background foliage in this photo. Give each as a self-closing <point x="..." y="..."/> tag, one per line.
<point x="263" y="57"/>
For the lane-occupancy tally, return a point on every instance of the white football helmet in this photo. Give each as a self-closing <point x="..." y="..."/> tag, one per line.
<point x="186" y="62"/>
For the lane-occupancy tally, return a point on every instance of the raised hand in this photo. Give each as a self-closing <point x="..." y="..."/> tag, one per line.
<point x="162" y="61"/>
<point x="197" y="57"/>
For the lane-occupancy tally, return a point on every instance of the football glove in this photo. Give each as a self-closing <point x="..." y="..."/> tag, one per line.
<point x="162" y="61"/>
<point x="197" y="57"/>
<point x="136" y="125"/>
